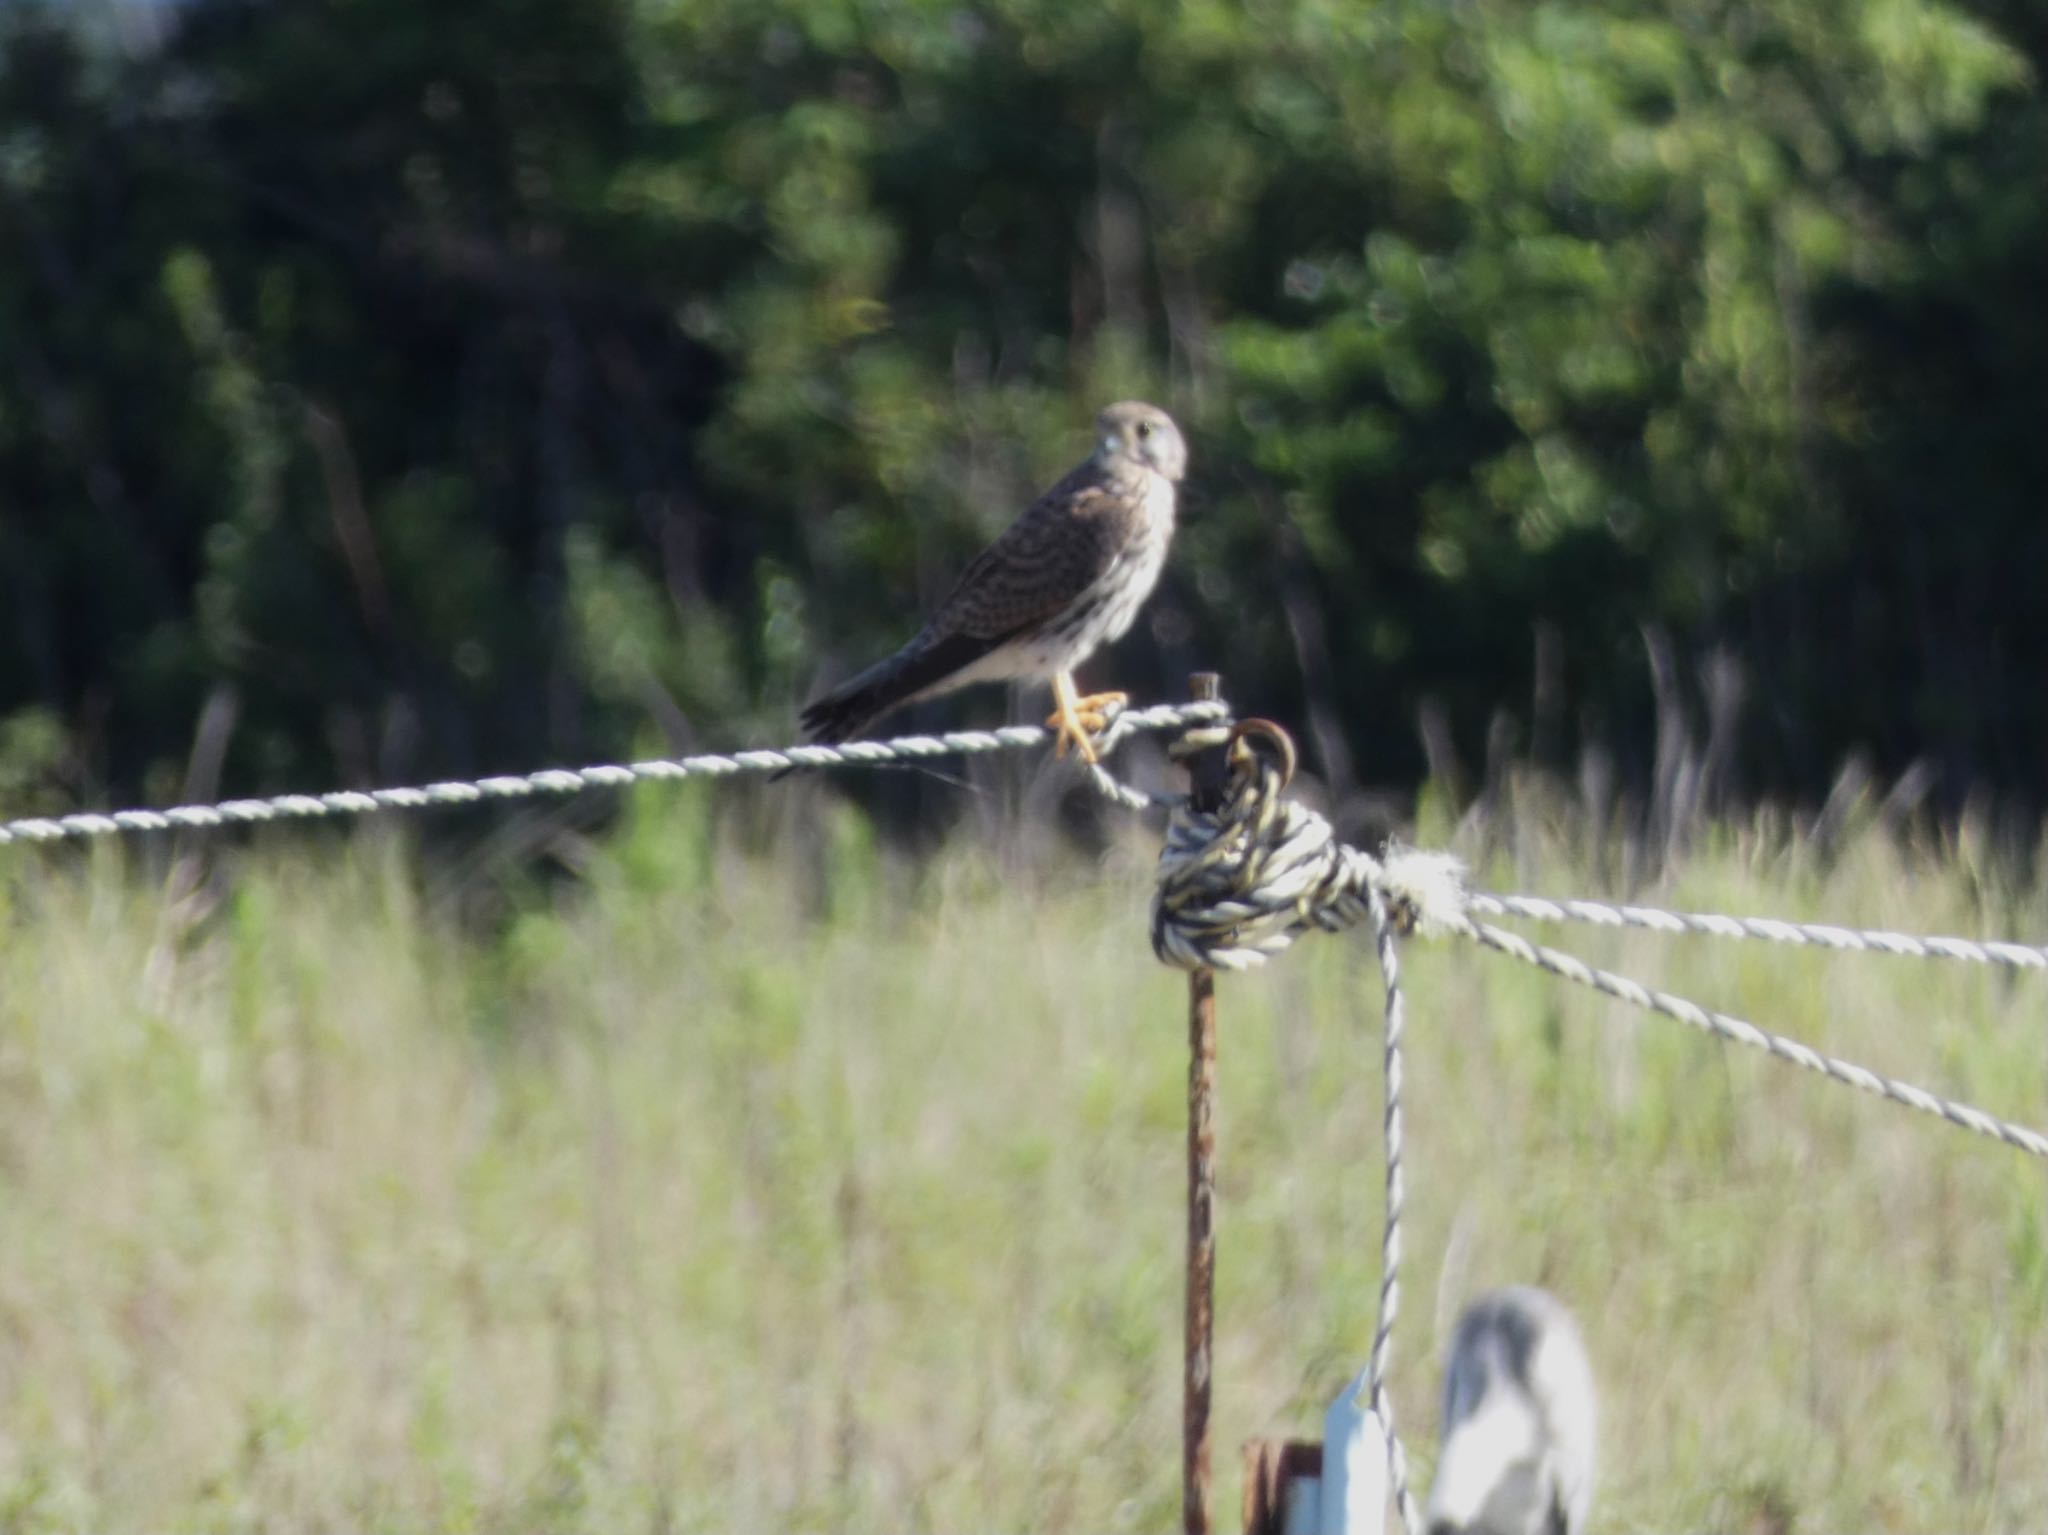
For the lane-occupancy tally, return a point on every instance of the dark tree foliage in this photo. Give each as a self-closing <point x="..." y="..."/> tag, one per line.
<point x="473" y="385"/>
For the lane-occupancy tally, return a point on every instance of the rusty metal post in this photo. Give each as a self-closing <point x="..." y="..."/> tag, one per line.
<point x="1201" y="1286"/>
<point x="1208" y="772"/>
<point x="1270" y="1466"/>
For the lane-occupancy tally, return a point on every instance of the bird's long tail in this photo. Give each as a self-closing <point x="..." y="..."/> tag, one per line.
<point x="920" y="669"/>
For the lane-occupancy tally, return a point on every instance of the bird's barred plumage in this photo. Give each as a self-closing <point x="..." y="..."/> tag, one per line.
<point x="1067" y="576"/>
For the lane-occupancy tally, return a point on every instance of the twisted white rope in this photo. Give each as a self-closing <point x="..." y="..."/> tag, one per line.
<point x="1851" y="940"/>
<point x="1743" y="1032"/>
<point x="1236" y="888"/>
<point x="1239" y="887"/>
<point x="565" y="781"/>
<point x="1388" y="943"/>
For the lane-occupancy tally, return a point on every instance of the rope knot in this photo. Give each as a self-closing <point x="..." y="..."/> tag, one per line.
<point x="1238" y="884"/>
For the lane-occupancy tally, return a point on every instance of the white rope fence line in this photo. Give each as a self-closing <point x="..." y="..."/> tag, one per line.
<point x="1743" y="1032"/>
<point x="1843" y="940"/>
<point x="1381" y="1361"/>
<point x="567" y="781"/>
<point x="1238" y="888"/>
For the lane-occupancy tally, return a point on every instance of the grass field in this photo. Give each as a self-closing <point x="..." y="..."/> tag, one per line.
<point x="835" y="1191"/>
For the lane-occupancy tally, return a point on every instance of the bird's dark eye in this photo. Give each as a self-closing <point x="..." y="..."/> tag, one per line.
<point x="1144" y="430"/>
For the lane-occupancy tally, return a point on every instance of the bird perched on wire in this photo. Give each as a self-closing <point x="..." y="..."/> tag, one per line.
<point x="1067" y="576"/>
<point x="1519" y="1421"/>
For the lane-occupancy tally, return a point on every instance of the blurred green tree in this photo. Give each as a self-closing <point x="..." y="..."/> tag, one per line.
<point x="471" y="385"/>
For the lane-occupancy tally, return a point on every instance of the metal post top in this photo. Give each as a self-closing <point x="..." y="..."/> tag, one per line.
<point x="1208" y="769"/>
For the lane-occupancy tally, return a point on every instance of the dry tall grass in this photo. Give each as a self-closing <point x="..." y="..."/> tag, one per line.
<point x="719" y="1194"/>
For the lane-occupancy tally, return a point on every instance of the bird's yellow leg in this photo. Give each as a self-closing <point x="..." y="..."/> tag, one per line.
<point x="1079" y="719"/>
<point x="1066" y="720"/>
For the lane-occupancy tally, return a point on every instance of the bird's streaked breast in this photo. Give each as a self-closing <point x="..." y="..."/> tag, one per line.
<point x="1109" y="606"/>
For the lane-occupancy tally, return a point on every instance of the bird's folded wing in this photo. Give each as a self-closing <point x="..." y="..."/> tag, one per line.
<point x="1064" y="543"/>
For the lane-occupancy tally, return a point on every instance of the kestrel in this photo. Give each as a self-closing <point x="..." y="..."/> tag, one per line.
<point x="1066" y="576"/>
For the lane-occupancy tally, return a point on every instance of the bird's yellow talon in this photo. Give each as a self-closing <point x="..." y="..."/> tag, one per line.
<point x="1071" y="730"/>
<point x="1077" y="721"/>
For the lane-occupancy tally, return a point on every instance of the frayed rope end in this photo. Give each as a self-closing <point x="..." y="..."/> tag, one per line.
<point x="1425" y="890"/>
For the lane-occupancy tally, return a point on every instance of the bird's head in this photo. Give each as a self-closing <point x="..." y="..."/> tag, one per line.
<point x="1136" y="433"/>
